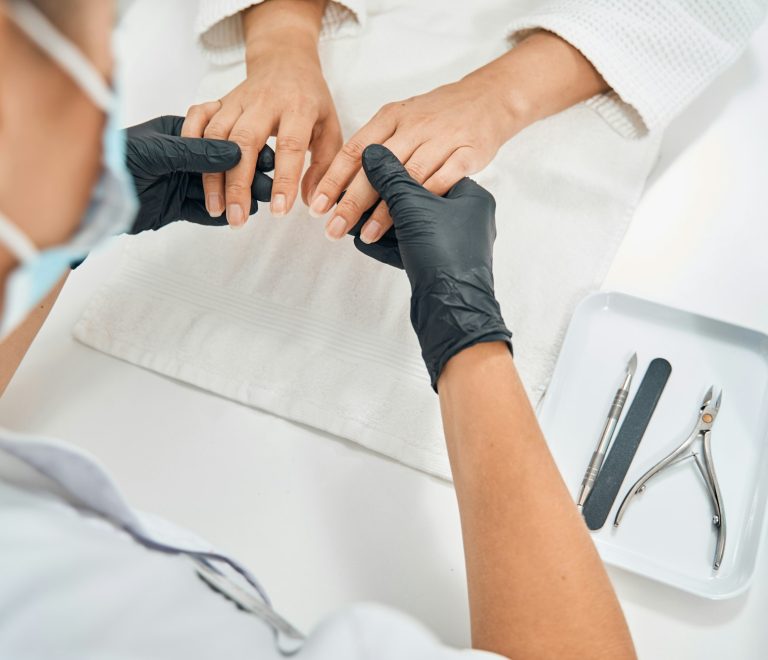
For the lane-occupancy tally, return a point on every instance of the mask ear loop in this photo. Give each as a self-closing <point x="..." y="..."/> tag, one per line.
<point x="17" y="241"/>
<point x="45" y="36"/>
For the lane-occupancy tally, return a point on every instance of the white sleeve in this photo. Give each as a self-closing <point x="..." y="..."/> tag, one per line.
<point x="656" y="55"/>
<point x="220" y="31"/>
<point x="368" y="631"/>
<point x="131" y="602"/>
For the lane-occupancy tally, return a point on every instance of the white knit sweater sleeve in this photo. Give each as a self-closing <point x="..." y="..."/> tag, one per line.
<point x="657" y="55"/>
<point x="220" y="31"/>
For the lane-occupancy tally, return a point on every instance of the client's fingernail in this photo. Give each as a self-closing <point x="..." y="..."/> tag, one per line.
<point x="319" y="206"/>
<point x="235" y="215"/>
<point x="214" y="202"/>
<point x="278" y="205"/>
<point x="371" y="232"/>
<point x="336" y="228"/>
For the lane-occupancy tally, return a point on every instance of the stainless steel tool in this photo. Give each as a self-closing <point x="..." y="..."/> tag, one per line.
<point x="707" y="415"/>
<point x="605" y="437"/>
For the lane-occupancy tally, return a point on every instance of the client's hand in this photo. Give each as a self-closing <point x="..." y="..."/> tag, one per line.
<point x="445" y="245"/>
<point x="284" y="94"/>
<point x="456" y="130"/>
<point x="441" y="137"/>
<point x="167" y="173"/>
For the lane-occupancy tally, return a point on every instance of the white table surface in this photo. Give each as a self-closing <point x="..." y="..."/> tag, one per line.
<point x="323" y="522"/>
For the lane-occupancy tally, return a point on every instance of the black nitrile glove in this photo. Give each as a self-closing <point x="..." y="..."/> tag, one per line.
<point x="167" y="171"/>
<point x="386" y="249"/>
<point x="445" y="245"/>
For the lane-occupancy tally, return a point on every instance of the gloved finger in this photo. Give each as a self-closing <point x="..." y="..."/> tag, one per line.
<point x="324" y="146"/>
<point x="170" y="125"/>
<point x="158" y="155"/>
<point x="346" y="164"/>
<point x="383" y="251"/>
<point x="266" y="160"/>
<point x="195" y="211"/>
<point x="386" y="250"/>
<point x="261" y="188"/>
<point x="467" y="187"/>
<point x="292" y="142"/>
<point x="165" y="125"/>
<point x="458" y="165"/>
<point x="390" y="179"/>
<point x="360" y="195"/>
<point x="424" y="162"/>
<point x="195" y="190"/>
<point x="193" y="126"/>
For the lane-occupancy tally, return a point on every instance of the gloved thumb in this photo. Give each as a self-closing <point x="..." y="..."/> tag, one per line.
<point x="157" y="155"/>
<point x="390" y="179"/>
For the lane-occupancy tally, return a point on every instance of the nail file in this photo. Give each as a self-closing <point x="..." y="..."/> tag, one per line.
<point x="616" y="465"/>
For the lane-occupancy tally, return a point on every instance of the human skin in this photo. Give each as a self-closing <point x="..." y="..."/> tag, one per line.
<point x="456" y="130"/>
<point x="284" y="95"/>
<point x="41" y="108"/>
<point x="537" y="587"/>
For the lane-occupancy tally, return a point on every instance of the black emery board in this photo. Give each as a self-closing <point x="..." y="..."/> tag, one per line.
<point x="614" y="469"/>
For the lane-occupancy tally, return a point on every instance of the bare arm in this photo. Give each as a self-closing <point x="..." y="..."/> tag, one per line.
<point x="537" y="588"/>
<point x="15" y="346"/>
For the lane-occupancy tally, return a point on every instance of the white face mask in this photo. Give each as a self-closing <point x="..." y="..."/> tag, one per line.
<point x="113" y="203"/>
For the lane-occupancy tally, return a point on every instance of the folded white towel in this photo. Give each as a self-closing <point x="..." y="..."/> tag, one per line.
<point x="277" y="317"/>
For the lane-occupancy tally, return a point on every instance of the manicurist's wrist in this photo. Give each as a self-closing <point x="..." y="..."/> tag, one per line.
<point x="438" y="329"/>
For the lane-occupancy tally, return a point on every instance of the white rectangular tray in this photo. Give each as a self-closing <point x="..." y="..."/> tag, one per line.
<point x="667" y="533"/>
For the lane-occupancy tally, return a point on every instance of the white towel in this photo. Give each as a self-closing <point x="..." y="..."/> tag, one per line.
<point x="276" y="317"/>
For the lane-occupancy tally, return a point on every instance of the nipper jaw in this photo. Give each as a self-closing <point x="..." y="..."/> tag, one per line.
<point x="703" y="459"/>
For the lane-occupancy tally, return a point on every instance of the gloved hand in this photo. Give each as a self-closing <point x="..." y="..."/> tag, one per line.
<point x="386" y="249"/>
<point x="167" y="171"/>
<point x="445" y="245"/>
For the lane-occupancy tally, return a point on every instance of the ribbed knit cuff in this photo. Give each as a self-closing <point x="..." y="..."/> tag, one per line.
<point x="620" y="114"/>
<point x="656" y="56"/>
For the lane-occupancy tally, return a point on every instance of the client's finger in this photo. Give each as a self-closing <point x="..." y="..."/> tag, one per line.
<point x="198" y="117"/>
<point x="325" y="144"/>
<point x="195" y="211"/>
<point x="218" y="128"/>
<point x="458" y="165"/>
<point x="250" y="134"/>
<point x="346" y="164"/>
<point x="261" y="190"/>
<point x="292" y="143"/>
<point x="360" y="195"/>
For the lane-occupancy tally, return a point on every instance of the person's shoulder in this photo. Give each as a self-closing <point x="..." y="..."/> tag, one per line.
<point x="371" y="631"/>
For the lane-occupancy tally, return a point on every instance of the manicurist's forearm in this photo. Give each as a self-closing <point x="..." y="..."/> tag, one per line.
<point x="274" y="21"/>
<point x="537" y="587"/>
<point x="14" y="347"/>
<point x="541" y="76"/>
